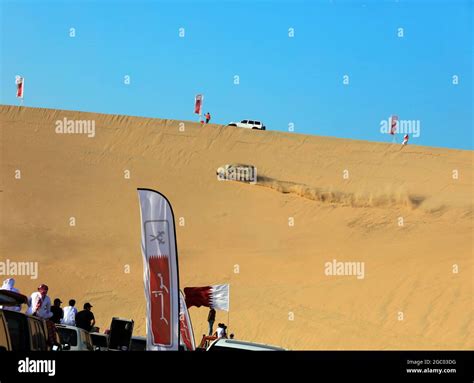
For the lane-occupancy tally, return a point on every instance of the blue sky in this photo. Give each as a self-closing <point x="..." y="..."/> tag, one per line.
<point x="282" y="79"/>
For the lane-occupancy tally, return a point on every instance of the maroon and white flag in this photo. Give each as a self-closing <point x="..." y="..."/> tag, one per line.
<point x="20" y="86"/>
<point x="198" y="103"/>
<point x="160" y="271"/>
<point x="393" y="124"/>
<point x="215" y="296"/>
<point x="185" y="326"/>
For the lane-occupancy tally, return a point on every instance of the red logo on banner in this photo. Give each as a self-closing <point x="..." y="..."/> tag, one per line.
<point x="161" y="320"/>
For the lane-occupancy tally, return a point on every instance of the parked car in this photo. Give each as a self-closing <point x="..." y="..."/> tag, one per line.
<point x="8" y="299"/>
<point x="74" y="338"/>
<point x="138" y="343"/>
<point x="27" y="333"/>
<point x="5" y="343"/>
<point x="248" y="124"/>
<point x="120" y="334"/>
<point x="223" y="344"/>
<point x="100" y="341"/>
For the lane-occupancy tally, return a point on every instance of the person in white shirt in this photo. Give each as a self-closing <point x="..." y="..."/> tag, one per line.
<point x="220" y="331"/>
<point x="405" y="140"/>
<point x="8" y="285"/>
<point x="40" y="304"/>
<point x="69" y="317"/>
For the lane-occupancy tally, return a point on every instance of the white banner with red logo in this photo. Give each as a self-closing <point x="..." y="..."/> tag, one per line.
<point x="20" y="86"/>
<point x="185" y="326"/>
<point x="393" y="124"/>
<point x="160" y="271"/>
<point x="198" y="100"/>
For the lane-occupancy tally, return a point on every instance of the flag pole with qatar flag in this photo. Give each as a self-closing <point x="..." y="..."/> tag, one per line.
<point x="212" y="296"/>
<point x="198" y="101"/>
<point x="20" y="88"/>
<point x="160" y="272"/>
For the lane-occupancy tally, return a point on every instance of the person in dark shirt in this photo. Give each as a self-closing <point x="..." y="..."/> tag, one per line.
<point x="57" y="311"/>
<point x="85" y="318"/>
<point x="211" y="318"/>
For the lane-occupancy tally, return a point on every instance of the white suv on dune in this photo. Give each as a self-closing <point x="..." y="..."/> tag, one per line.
<point x="249" y="124"/>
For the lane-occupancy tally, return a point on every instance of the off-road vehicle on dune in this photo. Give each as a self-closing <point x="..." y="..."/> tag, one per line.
<point x="237" y="172"/>
<point x="248" y="124"/>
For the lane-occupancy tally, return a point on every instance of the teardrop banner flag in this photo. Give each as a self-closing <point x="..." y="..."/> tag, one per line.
<point x="393" y="124"/>
<point x="160" y="271"/>
<point x="185" y="325"/>
<point x="198" y="103"/>
<point x="20" y="86"/>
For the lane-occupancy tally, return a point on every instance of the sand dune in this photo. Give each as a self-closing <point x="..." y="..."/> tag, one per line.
<point x="346" y="199"/>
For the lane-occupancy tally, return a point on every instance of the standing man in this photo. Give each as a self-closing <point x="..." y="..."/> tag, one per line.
<point x="208" y="117"/>
<point x="85" y="318"/>
<point x="211" y="318"/>
<point x="57" y="311"/>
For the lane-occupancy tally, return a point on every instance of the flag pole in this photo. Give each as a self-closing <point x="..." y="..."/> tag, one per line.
<point x="228" y="311"/>
<point x="200" y="110"/>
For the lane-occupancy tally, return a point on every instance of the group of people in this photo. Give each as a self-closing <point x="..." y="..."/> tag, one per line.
<point x="39" y="304"/>
<point x="221" y="331"/>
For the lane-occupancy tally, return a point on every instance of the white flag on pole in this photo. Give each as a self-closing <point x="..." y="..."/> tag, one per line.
<point x="220" y="297"/>
<point x="20" y="86"/>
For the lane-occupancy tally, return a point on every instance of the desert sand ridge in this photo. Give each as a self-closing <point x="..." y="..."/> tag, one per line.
<point x="237" y="233"/>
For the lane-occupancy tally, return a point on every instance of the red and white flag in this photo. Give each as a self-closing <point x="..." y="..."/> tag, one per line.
<point x="160" y="271"/>
<point x="20" y="86"/>
<point x="215" y="296"/>
<point x="185" y="326"/>
<point x="393" y="124"/>
<point x="198" y="104"/>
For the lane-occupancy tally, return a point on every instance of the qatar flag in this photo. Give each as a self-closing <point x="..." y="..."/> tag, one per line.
<point x="185" y="325"/>
<point x="215" y="296"/>
<point x="20" y="86"/>
<point x="393" y="124"/>
<point x="160" y="271"/>
<point x="198" y="103"/>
